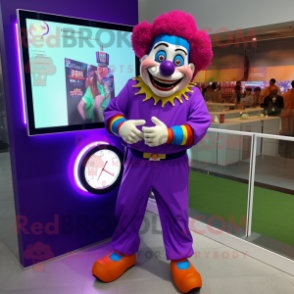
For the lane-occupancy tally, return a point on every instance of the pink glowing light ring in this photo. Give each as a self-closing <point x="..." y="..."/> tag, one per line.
<point x="79" y="159"/>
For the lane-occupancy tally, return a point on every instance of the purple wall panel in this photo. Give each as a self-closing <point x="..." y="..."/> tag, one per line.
<point x="40" y="164"/>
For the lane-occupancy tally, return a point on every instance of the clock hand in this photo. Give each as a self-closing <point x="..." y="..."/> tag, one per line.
<point x="108" y="172"/>
<point x="102" y="171"/>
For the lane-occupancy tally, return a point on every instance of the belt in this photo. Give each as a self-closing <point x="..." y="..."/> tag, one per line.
<point x="156" y="156"/>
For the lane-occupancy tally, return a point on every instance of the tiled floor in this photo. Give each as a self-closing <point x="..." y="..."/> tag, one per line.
<point x="223" y="270"/>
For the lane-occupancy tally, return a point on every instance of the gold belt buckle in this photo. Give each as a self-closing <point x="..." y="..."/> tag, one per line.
<point x="154" y="156"/>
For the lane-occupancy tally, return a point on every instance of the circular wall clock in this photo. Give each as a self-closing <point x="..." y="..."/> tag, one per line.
<point x="101" y="169"/>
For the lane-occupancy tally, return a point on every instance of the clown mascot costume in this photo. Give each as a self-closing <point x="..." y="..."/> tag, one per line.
<point x="159" y="115"/>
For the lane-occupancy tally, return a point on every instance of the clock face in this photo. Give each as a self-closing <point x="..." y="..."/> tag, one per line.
<point x="101" y="169"/>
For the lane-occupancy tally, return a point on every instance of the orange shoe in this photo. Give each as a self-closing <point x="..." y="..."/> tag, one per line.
<point x="112" y="266"/>
<point x="185" y="275"/>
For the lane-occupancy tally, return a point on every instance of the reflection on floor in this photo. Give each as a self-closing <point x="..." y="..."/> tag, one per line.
<point x="7" y="207"/>
<point x="3" y="147"/>
<point x="224" y="271"/>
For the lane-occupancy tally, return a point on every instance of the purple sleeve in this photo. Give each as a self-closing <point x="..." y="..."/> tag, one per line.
<point x="199" y="118"/>
<point x="118" y="106"/>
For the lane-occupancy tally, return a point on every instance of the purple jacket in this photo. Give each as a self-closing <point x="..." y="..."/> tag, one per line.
<point x="192" y="111"/>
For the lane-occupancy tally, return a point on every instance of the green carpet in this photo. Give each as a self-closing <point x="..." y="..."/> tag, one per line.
<point x="273" y="212"/>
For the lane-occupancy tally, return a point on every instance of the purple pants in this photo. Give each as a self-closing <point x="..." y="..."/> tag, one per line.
<point x="169" y="182"/>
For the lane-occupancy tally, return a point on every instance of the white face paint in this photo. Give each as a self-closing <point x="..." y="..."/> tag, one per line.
<point x="166" y="78"/>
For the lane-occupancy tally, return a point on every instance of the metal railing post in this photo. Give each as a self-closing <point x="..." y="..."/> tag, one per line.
<point x="251" y="180"/>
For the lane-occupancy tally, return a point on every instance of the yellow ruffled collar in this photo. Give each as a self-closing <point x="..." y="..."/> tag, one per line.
<point x="145" y="89"/>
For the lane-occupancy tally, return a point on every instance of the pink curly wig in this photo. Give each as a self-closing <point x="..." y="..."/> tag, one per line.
<point x="175" y="23"/>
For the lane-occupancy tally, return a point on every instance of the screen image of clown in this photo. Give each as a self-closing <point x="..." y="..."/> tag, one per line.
<point x="88" y="92"/>
<point x="106" y="76"/>
<point x="75" y="75"/>
<point x="107" y="80"/>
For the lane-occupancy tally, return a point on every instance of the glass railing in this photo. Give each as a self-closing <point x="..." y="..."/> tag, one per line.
<point x="272" y="222"/>
<point x="243" y="183"/>
<point x="219" y="180"/>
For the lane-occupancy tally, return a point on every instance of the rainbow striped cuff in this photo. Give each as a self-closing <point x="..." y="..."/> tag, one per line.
<point x="115" y="123"/>
<point x="180" y="135"/>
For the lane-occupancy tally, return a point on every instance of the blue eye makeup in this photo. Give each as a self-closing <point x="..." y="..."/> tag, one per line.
<point x="178" y="60"/>
<point x="160" y="56"/>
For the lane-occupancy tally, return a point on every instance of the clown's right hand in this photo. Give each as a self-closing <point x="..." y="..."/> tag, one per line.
<point x="129" y="132"/>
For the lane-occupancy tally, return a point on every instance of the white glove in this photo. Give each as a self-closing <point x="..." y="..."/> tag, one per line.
<point x="155" y="136"/>
<point x="129" y="132"/>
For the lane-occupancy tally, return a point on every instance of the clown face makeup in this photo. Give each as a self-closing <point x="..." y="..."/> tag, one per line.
<point x="166" y="69"/>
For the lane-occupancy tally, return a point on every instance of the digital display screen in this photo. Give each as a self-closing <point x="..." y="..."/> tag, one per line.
<point x="73" y="68"/>
<point x="284" y="86"/>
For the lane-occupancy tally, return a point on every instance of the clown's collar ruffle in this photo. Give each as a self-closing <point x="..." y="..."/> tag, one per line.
<point x="145" y="89"/>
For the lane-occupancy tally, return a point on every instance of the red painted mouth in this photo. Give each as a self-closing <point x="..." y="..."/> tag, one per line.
<point x="163" y="85"/>
<point x="165" y="81"/>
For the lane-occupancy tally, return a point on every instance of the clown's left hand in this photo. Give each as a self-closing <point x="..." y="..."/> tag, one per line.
<point x="157" y="135"/>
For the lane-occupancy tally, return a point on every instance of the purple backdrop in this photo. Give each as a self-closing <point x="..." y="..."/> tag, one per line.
<point x="42" y="186"/>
